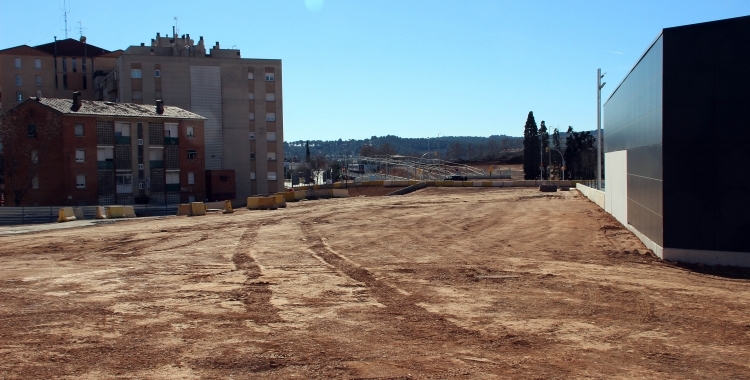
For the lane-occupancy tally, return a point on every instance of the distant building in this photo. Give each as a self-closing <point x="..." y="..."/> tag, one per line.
<point x="81" y="152"/>
<point x="241" y="99"/>
<point x="52" y="70"/>
<point x="675" y="143"/>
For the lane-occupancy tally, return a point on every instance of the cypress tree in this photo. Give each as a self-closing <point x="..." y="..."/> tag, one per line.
<point x="530" y="148"/>
<point x="544" y="136"/>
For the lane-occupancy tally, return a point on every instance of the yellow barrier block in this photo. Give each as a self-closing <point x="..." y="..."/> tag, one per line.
<point x="65" y="215"/>
<point x="300" y="195"/>
<point x="227" y="207"/>
<point x="183" y="209"/>
<point x="197" y="209"/>
<point x="280" y="200"/>
<point x="430" y="183"/>
<point x="100" y="213"/>
<point x="253" y="203"/>
<point x="486" y="183"/>
<point x="265" y="203"/>
<point x="289" y="196"/>
<point x="128" y="211"/>
<point x="340" y="193"/>
<point x="115" y="212"/>
<point x="467" y="183"/>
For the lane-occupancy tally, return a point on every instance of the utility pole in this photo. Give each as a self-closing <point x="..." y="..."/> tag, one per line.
<point x="599" y="86"/>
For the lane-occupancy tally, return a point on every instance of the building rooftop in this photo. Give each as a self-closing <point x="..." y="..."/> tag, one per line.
<point x="71" y="47"/>
<point x="97" y="108"/>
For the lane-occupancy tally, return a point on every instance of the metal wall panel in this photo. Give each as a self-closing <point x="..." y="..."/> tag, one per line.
<point x="205" y="100"/>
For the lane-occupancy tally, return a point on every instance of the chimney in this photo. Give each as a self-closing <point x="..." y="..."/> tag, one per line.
<point x="160" y="107"/>
<point x="76" y="101"/>
<point x="217" y="45"/>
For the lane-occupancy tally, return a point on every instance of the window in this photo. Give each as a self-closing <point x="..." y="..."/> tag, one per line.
<point x="157" y="73"/>
<point x="85" y="83"/>
<point x="35" y="182"/>
<point x="252" y="135"/>
<point x="269" y="77"/>
<point x="83" y="66"/>
<point x="252" y="155"/>
<point x="80" y="155"/>
<point x="271" y="97"/>
<point x="17" y="61"/>
<point x="106" y="153"/>
<point x="252" y="115"/>
<point x="250" y="75"/>
<point x="34" y="157"/>
<point x="64" y="63"/>
<point x="19" y="96"/>
<point x="271" y="176"/>
<point x="122" y="129"/>
<point x="190" y="132"/>
<point x="37" y="63"/>
<point x="170" y="129"/>
<point x="39" y="80"/>
<point x="156" y="154"/>
<point x="271" y="116"/>
<point x="135" y="73"/>
<point x="191" y="178"/>
<point x="251" y="96"/>
<point x="124" y="182"/>
<point x="73" y="66"/>
<point x="81" y="181"/>
<point x="192" y="154"/>
<point x="65" y="81"/>
<point x="79" y="129"/>
<point x="252" y="175"/>
<point x="19" y="82"/>
<point x="31" y="131"/>
<point x="271" y="156"/>
<point x="271" y="136"/>
<point x="173" y="177"/>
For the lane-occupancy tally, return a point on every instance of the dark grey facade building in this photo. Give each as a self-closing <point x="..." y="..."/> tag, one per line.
<point x="677" y="149"/>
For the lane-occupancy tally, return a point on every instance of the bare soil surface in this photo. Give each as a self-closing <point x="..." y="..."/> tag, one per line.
<point x="440" y="283"/>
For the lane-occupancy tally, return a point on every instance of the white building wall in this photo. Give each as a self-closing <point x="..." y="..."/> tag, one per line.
<point x="616" y="190"/>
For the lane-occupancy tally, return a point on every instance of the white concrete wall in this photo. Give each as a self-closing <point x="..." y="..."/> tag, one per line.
<point x="594" y="195"/>
<point x="616" y="192"/>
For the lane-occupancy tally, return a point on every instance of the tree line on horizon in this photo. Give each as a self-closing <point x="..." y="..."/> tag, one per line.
<point x="543" y="153"/>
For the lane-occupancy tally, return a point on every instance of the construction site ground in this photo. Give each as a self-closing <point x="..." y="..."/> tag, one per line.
<point x="440" y="283"/>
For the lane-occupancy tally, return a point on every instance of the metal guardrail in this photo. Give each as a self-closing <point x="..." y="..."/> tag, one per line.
<point x="38" y="215"/>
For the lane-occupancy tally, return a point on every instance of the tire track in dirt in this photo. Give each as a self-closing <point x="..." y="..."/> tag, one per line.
<point x="256" y="295"/>
<point x="407" y="316"/>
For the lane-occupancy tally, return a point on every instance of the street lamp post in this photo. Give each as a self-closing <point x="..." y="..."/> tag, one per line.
<point x="562" y="168"/>
<point x="599" y="86"/>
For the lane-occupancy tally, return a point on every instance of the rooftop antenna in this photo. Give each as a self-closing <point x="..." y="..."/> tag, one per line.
<point x="66" y="10"/>
<point x="80" y="29"/>
<point x="176" y="29"/>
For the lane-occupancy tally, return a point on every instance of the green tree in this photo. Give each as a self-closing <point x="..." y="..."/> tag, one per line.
<point x="580" y="154"/>
<point x="530" y="148"/>
<point x="544" y="137"/>
<point x="556" y="158"/>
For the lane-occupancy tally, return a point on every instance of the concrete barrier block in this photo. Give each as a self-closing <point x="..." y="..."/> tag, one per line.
<point x="300" y="195"/>
<point x="115" y="212"/>
<point x="253" y="203"/>
<point x="323" y="193"/>
<point x="227" y="207"/>
<point x="430" y="183"/>
<point x="460" y="183"/>
<point x="289" y="196"/>
<point x="128" y="211"/>
<point x="183" y="209"/>
<point x="197" y="209"/>
<point x="477" y="183"/>
<point x="530" y="183"/>
<point x="280" y="200"/>
<point x="340" y="193"/>
<point x="387" y="183"/>
<point x="100" y="213"/>
<point x="65" y="215"/>
<point x="497" y="184"/>
<point x="267" y="203"/>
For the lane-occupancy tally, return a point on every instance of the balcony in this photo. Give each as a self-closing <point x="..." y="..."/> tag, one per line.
<point x="171" y="141"/>
<point x="124" y="189"/>
<point x="156" y="164"/>
<point x="172" y="187"/>
<point x="104" y="165"/>
<point x="122" y="140"/>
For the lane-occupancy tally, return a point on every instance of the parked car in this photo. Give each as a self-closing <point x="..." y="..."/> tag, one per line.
<point x="456" y="178"/>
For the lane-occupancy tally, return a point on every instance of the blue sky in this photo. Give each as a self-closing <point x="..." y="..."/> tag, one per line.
<point x="412" y="68"/>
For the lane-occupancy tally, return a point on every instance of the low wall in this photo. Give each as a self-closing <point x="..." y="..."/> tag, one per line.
<point x="594" y="195"/>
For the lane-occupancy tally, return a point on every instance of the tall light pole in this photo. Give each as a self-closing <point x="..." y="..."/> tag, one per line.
<point x="599" y="86"/>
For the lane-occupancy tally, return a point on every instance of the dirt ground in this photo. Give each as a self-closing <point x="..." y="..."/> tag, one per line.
<point x="440" y="283"/>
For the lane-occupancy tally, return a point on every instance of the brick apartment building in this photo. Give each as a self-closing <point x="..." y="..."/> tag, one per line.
<point x="81" y="152"/>
<point x="240" y="97"/>
<point x="53" y="70"/>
